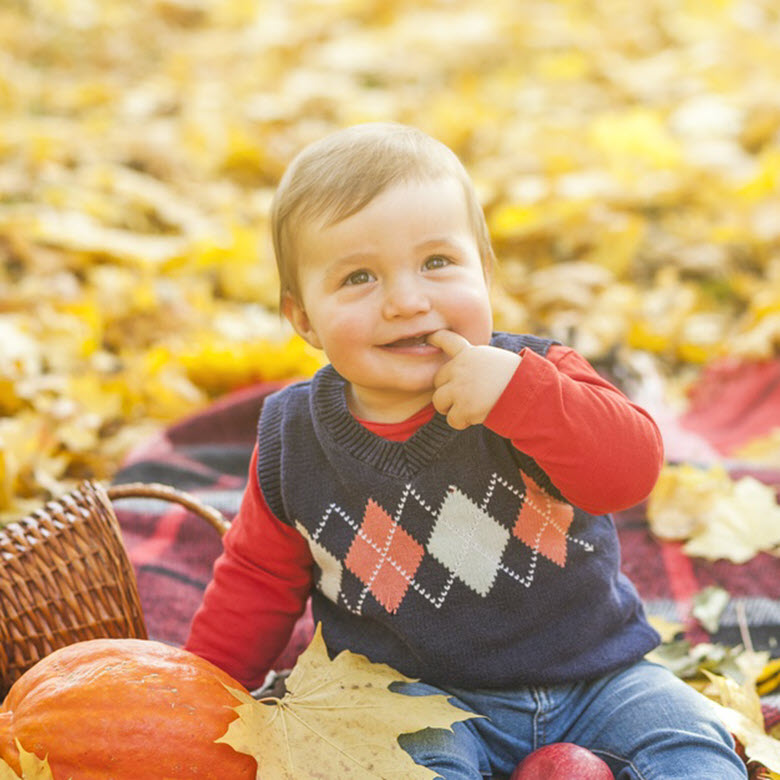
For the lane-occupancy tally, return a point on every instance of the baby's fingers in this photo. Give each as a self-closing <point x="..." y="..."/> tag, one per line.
<point x="449" y="342"/>
<point x="443" y="399"/>
<point x="456" y="420"/>
<point x="445" y="403"/>
<point x="443" y="375"/>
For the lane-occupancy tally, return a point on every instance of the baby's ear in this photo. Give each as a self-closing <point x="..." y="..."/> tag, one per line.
<point x="295" y="314"/>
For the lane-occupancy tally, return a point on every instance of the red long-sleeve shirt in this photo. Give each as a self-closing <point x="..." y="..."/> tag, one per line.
<point x="600" y="450"/>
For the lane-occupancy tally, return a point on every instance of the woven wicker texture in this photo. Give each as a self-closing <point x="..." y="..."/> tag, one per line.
<point x="64" y="577"/>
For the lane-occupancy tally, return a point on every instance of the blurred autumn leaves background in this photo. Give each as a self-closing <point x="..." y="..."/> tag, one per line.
<point x="627" y="155"/>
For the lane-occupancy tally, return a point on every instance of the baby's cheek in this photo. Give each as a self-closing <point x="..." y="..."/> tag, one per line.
<point x="345" y="336"/>
<point x="351" y="332"/>
<point x="471" y="315"/>
<point x="478" y="329"/>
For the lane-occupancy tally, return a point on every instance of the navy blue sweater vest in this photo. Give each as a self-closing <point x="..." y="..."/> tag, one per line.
<point x="451" y="556"/>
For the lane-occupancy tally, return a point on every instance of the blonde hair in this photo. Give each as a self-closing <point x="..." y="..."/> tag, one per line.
<point x="337" y="176"/>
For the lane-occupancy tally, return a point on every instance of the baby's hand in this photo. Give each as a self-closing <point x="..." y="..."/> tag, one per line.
<point x="471" y="381"/>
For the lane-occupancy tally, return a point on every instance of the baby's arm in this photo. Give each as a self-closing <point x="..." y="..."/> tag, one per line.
<point x="600" y="450"/>
<point x="260" y="586"/>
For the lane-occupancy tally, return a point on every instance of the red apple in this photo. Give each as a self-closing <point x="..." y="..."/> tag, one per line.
<point x="562" y="761"/>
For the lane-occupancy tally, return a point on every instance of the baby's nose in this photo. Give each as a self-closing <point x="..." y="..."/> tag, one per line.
<point x="405" y="297"/>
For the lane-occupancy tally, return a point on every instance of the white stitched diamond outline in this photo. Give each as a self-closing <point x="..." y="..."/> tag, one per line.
<point x="470" y="551"/>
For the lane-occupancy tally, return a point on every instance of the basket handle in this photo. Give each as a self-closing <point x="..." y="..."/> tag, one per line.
<point x="168" y="493"/>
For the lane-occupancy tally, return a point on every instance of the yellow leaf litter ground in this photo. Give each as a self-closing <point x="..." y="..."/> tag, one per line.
<point x="627" y="158"/>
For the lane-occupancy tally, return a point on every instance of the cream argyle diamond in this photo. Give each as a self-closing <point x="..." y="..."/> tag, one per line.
<point x="332" y="569"/>
<point x="468" y="541"/>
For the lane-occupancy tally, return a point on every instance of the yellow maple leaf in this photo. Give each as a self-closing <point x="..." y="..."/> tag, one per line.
<point x="33" y="768"/>
<point x="637" y="135"/>
<point x="338" y="719"/>
<point x="740" y="698"/>
<point x="720" y="517"/>
<point x="762" y="449"/>
<point x="740" y="713"/>
<point x="668" y="629"/>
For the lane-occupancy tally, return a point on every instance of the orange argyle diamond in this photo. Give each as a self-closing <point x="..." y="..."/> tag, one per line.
<point x="384" y="557"/>
<point x="543" y="522"/>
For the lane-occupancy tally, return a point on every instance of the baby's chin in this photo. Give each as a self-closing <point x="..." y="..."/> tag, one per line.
<point x="386" y="407"/>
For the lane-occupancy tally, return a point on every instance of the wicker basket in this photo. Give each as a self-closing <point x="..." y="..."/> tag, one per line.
<point x="65" y="575"/>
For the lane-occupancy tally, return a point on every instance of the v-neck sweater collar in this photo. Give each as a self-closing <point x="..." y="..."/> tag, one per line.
<point x="333" y="419"/>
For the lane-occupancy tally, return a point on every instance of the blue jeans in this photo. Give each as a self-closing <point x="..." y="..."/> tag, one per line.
<point x="643" y="721"/>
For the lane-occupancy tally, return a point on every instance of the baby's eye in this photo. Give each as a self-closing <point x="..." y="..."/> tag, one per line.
<point x="436" y="261"/>
<point x="359" y="277"/>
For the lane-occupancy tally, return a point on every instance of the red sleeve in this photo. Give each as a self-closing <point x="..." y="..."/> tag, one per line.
<point x="259" y="589"/>
<point x="601" y="451"/>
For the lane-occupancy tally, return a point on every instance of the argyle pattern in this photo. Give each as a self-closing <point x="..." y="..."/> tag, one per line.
<point x="465" y="543"/>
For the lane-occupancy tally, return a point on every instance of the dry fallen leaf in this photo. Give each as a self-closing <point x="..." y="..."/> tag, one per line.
<point x="764" y="450"/>
<point x="740" y="711"/>
<point x="337" y="719"/>
<point x="33" y="768"/>
<point x="628" y="160"/>
<point x="692" y="662"/>
<point x="717" y="516"/>
<point x="708" y="606"/>
<point x="667" y="629"/>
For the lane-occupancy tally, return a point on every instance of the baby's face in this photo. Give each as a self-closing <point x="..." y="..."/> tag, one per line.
<point x="374" y="285"/>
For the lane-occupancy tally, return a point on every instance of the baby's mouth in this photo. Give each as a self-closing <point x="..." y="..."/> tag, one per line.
<point x="413" y="341"/>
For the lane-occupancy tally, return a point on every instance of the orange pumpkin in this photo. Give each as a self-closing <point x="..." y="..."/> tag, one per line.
<point x="124" y="709"/>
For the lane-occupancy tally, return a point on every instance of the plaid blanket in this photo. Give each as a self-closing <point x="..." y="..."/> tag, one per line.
<point x="734" y="402"/>
<point x="207" y="454"/>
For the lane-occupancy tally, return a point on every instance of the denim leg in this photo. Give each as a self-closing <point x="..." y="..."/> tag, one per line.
<point x="455" y="755"/>
<point x="643" y="721"/>
<point x="649" y="725"/>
